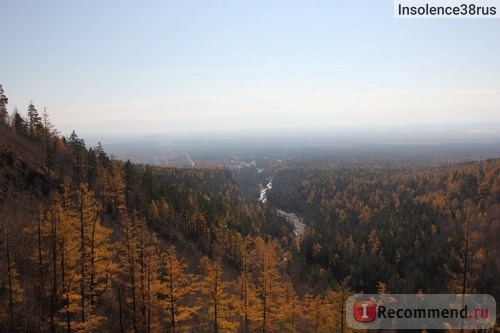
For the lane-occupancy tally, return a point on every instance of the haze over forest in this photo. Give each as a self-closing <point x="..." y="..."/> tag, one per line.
<point x="124" y="68"/>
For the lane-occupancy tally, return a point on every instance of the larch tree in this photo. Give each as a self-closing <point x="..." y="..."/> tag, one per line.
<point x="338" y="299"/>
<point x="154" y="212"/>
<point x="268" y="282"/>
<point x="153" y="303"/>
<point x="178" y="286"/>
<point x="219" y="303"/>
<point x="94" y="257"/>
<point x="290" y="309"/>
<point x="139" y="284"/>
<point x="128" y="274"/>
<point x="315" y="318"/>
<point x="112" y="187"/>
<point x="73" y="255"/>
<point x="141" y="271"/>
<point x="334" y="308"/>
<point x="468" y="259"/>
<point x="54" y="230"/>
<point x="250" y="306"/>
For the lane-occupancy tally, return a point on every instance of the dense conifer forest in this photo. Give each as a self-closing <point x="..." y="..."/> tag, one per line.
<point x="93" y="244"/>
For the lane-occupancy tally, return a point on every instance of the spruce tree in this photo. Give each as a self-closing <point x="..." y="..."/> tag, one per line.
<point x="3" y="108"/>
<point x="34" y="121"/>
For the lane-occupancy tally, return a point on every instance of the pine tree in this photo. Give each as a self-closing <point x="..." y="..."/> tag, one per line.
<point x="4" y="115"/>
<point x="112" y="187"/>
<point x="80" y="154"/>
<point x="19" y="124"/>
<point x="49" y="143"/>
<point x="34" y="121"/>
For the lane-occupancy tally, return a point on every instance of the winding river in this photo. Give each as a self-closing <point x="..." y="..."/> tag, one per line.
<point x="264" y="189"/>
<point x="297" y="222"/>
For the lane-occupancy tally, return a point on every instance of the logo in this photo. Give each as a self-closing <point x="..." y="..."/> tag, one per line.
<point x="422" y="311"/>
<point x="365" y="311"/>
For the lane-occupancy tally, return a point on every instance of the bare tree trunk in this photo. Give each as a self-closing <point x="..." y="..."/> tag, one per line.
<point x="120" y="309"/>
<point x="65" y="287"/>
<point x="131" y="263"/>
<point x="82" y="252"/>
<point x="53" y="294"/>
<point x="9" y="276"/>
<point x="92" y="265"/>
<point x="216" y="326"/>
<point x="40" y="269"/>
<point x="172" y="306"/>
<point x="149" y="296"/>
<point x="142" y="273"/>
<point x="245" y="291"/>
<point x="466" y="255"/>
<point x="342" y="311"/>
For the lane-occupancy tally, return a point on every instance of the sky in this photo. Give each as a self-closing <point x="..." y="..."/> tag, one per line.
<point x="123" y="67"/>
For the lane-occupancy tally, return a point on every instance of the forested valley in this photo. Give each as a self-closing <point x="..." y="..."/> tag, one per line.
<point x="93" y="244"/>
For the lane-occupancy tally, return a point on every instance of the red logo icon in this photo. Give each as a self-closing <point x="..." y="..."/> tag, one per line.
<point x="365" y="311"/>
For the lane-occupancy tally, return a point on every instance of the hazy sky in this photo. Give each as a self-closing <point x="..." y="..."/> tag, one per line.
<point x="167" y="66"/>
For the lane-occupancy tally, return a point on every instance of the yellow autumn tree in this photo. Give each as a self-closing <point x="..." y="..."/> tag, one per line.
<point x="149" y="286"/>
<point x="94" y="260"/>
<point x="268" y="283"/>
<point x="178" y="286"/>
<point x="249" y="305"/>
<point x="128" y="277"/>
<point x="290" y="309"/>
<point x="74" y="258"/>
<point x="218" y="303"/>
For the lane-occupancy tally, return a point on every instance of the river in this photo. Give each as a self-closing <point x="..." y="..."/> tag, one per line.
<point x="264" y="189"/>
<point x="298" y="222"/>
